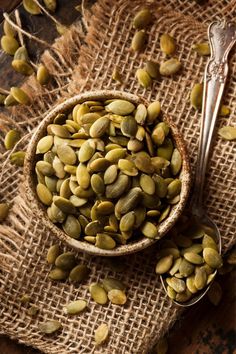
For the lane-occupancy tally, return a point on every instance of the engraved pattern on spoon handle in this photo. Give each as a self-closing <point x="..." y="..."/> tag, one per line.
<point x="222" y="37"/>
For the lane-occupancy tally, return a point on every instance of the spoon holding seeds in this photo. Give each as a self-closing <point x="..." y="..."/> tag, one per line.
<point x="190" y="263"/>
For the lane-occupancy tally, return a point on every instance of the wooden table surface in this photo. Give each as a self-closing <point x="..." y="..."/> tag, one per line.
<point x="203" y="329"/>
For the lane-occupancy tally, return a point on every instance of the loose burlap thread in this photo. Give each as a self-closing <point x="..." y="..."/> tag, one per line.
<point x="83" y="62"/>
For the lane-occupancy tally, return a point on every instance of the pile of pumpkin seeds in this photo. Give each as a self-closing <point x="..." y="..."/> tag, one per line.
<point x="108" y="171"/>
<point x="65" y="266"/>
<point x="152" y="70"/>
<point x="188" y="260"/>
<point x="109" y="289"/>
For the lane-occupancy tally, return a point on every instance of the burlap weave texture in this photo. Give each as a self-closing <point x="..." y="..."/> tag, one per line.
<point x="23" y="238"/>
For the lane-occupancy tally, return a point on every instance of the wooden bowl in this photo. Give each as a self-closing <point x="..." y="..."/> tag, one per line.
<point x="40" y="210"/>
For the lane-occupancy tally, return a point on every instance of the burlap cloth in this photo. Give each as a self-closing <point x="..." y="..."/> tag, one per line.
<point x="83" y="60"/>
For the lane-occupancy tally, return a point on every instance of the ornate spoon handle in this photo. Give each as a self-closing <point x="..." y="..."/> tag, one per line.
<point x="222" y="37"/>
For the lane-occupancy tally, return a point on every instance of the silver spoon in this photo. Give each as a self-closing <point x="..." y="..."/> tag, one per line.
<point x="222" y="37"/>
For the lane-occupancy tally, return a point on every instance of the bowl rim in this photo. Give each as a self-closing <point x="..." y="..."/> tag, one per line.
<point x="40" y="209"/>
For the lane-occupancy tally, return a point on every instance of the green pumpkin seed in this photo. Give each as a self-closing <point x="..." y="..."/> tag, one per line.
<point x="22" y="67"/>
<point x="129" y="201"/>
<point x="75" y="307"/>
<point x="186" y="268"/>
<point x="45" y="168"/>
<point x="43" y="76"/>
<point x="10" y="101"/>
<point x="93" y="228"/>
<point x="117" y="188"/>
<point x="175" y="162"/>
<point x="72" y="227"/>
<point x="105" y="242"/>
<point x="141" y="114"/>
<point x="82" y="175"/>
<point x="164" y="264"/>
<point x="149" y="230"/>
<point x="53" y="253"/>
<point x="169" y="250"/>
<point x="183" y="297"/>
<point x="127" y="167"/>
<point x="193" y="258"/>
<point x="65" y="261"/>
<point x="174" y="188"/>
<point x="78" y="202"/>
<point x="66" y="154"/>
<point x="139" y="41"/>
<point x="153" y="111"/>
<point x="227" y="133"/>
<point x="153" y="69"/>
<point x="129" y="126"/>
<point x="79" y="273"/>
<point x="115" y="155"/>
<point x="215" y="293"/>
<point x="143" y="78"/>
<point x="50" y="5"/>
<point x="64" y="205"/>
<point x="21" y="54"/>
<point x="86" y="151"/>
<point x="44" y="194"/>
<point x="177" y="284"/>
<point x="196" y="96"/>
<point x="117" y="297"/>
<point x="9" y="44"/>
<point x="142" y="19"/>
<point x="147" y="184"/>
<point x="224" y="111"/>
<point x="144" y="164"/>
<point x="58" y="130"/>
<point x="158" y="135"/>
<point x="110" y="175"/>
<point x="212" y="257"/>
<point x="170" y="67"/>
<point x="105" y="208"/>
<point x="200" y="279"/>
<point x="170" y="292"/>
<point x="11" y="138"/>
<point x="164" y="214"/>
<point x="19" y="95"/>
<point x="58" y="167"/>
<point x="135" y="145"/>
<point x="127" y="222"/>
<point x="99" y="165"/>
<point x="8" y="29"/>
<point x="98" y="294"/>
<point x="190" y="283"/>
<point x="101" y="334"/>
<point x="175" y="267"/>
<point x="120" y="107"/>
<point x="99" y="127"/>
<point x="58" y="274"/>
<point x="201" y="48"/>
<point x="49" y="327"/>
<point x="167" y="44"/>
<point x="160" y="186"/>
<point x="4" y="211"/>
<point x="31" y="7"/>
<point x="165" y="151"/>
<point x="57" y="214"/>
<point x="44" y="144"/>
<point x="90" y="239"/>
<point x="197" y="248"/>
<point x="17" y="158"/>
<point x="111" y="283"/>
<point x="208" y="241"/>
<point x="97" y="184"/>
<point x="116" y="75"/>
